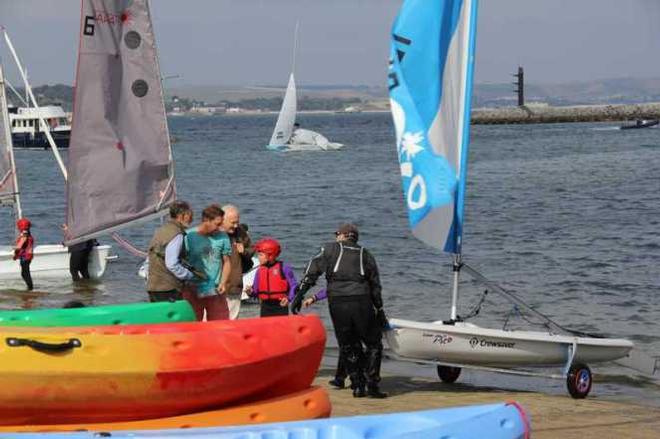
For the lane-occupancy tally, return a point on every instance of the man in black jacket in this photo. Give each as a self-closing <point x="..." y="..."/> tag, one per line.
<point x="356" y="306"/>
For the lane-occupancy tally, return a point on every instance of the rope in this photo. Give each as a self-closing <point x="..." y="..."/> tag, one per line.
<point x="130" y="248"/>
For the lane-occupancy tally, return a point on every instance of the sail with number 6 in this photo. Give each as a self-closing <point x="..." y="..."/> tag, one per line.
<point x="120" y="165"/>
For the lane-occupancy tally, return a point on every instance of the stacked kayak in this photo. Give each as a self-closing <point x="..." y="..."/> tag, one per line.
<point x="311" y="403"/>
<point x="105" y="374"/>
<point x="126" y="314"/>
<point x="493" y="421"/>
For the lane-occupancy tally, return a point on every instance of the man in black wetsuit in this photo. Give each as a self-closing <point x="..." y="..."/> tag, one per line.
<point x="356" y="306"/>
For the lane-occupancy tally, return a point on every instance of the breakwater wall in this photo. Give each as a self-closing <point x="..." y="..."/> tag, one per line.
<point x="578" y="113"/>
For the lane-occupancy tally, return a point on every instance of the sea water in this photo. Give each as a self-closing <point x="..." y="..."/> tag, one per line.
<point x="566" y="216"/>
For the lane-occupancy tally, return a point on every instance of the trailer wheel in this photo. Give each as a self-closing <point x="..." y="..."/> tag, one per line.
<point x="579" y="381"/>
<point x="448" y="374"/>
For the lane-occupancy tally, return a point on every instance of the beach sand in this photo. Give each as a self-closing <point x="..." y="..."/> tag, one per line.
<point x="553" y="416"/>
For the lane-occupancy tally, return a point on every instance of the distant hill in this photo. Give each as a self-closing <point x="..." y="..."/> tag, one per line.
<point x="333" y="97"/>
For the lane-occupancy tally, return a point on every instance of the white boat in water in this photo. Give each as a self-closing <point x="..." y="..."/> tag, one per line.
<point x="430" y="82"/>
<point x="49" y="260"/>
<point x="286" y="135"/>
<point x="52" y="261"/>
<point x="26" y="130"/>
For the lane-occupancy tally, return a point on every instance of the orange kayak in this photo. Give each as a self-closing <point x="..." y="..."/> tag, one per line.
<point x="312" y="403"/>
<point x="134" y="372"/>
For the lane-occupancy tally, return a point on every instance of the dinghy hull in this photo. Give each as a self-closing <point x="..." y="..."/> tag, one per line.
<point x="123" y="373"/>
<point x="467" y="344"/>
<point x="52" y="261"/>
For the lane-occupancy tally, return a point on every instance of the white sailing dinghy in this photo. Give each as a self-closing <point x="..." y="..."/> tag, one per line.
<point x="49" y="260"/>
<point x="120" y="159"/>
<point x="430" y="82"/>
<point x="286" y="137"/>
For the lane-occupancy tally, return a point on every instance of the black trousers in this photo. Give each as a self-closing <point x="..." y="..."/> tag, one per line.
<point x="165" y="296"/>
<point x="270" y="308"/>
<point x="25" y="274"/>
<point x="354" y="319"/>
<point x="79" y="264"/>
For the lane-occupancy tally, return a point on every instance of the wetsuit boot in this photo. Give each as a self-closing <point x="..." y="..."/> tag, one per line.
<point x="374" y="358"/>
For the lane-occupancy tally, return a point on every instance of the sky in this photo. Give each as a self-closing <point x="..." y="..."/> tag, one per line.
<point x="250" y="42"/>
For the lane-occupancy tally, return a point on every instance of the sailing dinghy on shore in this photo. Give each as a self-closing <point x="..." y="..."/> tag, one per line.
<point x="430" y="82"/>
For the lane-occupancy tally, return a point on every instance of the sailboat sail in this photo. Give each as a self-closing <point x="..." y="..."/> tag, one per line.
<point x="287" y="116"/>
<point x="8" y="185"/>
<point x="430" y="82"/>
<point x="120" y="159"/>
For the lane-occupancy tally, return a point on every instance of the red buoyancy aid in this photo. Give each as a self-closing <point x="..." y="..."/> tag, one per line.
<point x="272" y="282"/>
<point x="25" y="251"/>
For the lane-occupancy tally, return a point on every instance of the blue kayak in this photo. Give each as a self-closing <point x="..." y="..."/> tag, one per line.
<point x="493" y="421"/>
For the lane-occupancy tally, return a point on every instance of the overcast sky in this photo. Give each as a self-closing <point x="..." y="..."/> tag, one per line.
<point x="346" y="41"/>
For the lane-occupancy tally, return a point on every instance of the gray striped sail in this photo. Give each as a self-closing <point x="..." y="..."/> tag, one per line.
<point x="120" y="160"/>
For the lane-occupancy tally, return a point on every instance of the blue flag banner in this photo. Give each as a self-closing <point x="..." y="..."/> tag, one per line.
<point x="430" y="83"/>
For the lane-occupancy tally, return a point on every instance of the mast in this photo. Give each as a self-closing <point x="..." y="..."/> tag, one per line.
<point x="295" y="48"/>
<point x="28" y="92"/>
<point x="18" y="211"/>
<point x="460" y="192"/>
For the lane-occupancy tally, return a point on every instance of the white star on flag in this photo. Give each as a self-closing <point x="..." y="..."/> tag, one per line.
<point x="410" y="144"/>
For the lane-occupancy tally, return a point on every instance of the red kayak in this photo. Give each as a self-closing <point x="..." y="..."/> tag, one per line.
<point x="123" y="373"/>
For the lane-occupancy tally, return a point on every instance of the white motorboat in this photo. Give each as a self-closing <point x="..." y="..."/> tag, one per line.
<point x="52" y="261"/>
<point x="26" y="129"/>
<point x="430" y="83"/>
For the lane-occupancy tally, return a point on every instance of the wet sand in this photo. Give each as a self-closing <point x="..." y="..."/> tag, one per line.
<point x="553" y="416"/>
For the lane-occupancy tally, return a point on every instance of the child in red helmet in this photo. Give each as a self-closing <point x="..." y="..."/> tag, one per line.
<point x="274" y="282"/>
<point x="23" y="250"/>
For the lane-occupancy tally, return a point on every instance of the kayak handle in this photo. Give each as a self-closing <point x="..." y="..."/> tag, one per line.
<point x="43" y="346"/>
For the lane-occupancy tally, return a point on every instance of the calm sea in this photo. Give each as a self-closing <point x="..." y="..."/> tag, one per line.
<point x="565" y="216"/>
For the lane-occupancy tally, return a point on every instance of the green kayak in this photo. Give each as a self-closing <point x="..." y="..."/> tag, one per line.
<point x="125" y="314"/>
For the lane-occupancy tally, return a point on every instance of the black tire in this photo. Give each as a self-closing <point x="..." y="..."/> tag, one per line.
<point x="448" y="374"/>
<point x="579" y="380"/>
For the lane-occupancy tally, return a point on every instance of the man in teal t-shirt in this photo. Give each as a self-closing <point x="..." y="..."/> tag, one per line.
<point x="208" y="250"/>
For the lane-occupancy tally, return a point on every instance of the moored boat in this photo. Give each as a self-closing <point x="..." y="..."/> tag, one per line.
<point x="640" y="123"/>
<point x="493" y="421"/>
<point x="124" y="314"/>
<point x="28" y="132"/>
<point x="312" y="403"/>
<point x="123" y="373"/>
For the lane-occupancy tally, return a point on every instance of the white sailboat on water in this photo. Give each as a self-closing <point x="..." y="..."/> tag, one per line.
<point x="286" y="135"/>
<point x="50" y="260"/>
<point x="430" y="81"/>
<point x="120" y="158"/>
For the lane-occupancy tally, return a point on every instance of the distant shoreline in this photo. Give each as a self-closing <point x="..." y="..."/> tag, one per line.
<point x="529" y="114"/>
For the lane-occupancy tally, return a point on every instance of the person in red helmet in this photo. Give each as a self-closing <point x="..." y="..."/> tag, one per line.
<point x="274" y="283"/>
<point x="24" y="250"/>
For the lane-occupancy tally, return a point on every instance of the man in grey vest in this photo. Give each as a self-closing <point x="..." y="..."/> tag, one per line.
<point x="356" y="306"/>
<point x="167" y="273"/>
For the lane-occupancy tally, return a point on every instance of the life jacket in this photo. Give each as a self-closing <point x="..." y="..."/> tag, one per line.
<point x="272" y="282"/>
<point x="26" y="252"/>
